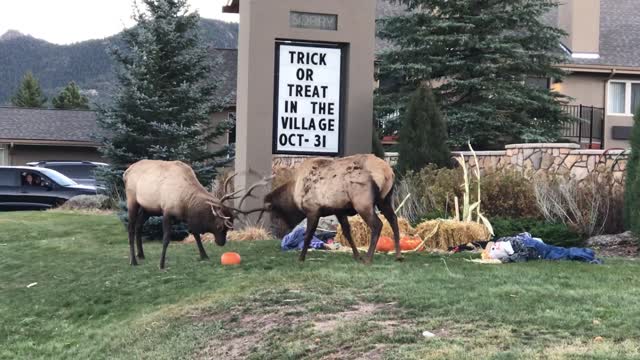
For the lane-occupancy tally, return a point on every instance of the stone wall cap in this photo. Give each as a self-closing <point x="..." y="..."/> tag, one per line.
<point x="480" y="153"/>
<point x="597" y="152"/>
<point x="543" y="146"/>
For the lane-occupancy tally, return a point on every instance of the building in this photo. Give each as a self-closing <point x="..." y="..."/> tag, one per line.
<point x="603" y="48"/>
<point x="46" y="134"/>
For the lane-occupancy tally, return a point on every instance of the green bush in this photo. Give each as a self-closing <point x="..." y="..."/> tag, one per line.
<point x="152" y="229"/>
<point x="509" y="194"/>
<point x="423" y="136"/>
<point x="632" y="186"/>
<point x="551" y="233"/>
<point x="504" y="193"/>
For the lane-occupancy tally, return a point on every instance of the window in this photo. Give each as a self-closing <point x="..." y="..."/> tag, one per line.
<point x="9" y="177"/>
<point x="624" y="97"/>
<point x="635" y="98"/>
<point x="617" y="97"/>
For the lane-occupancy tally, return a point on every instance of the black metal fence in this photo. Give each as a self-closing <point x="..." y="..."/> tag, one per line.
<point x="586" y="126"/>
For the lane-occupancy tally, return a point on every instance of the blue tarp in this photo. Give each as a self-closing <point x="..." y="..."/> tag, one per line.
<point x="295" y="240"/>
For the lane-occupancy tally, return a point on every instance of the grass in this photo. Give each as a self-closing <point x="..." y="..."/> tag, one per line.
<point x="89" y="303"/>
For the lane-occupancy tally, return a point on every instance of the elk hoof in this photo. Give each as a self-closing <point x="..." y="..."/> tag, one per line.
<point x="204" y="258"/>
<point x="141" y="256"/>
<point x="133" y="263"/>
<point x="400" y="258"/>
<point x="366" y="261"/>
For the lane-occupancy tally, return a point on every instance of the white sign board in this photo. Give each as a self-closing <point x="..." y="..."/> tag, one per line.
<point x="308" y="99"/>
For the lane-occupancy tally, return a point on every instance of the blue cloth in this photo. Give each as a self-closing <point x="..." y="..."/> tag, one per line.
<point x="527" y="247"/>
<point x="295" y="240"/>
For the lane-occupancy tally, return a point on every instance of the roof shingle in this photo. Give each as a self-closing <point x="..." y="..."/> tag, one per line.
<point x="48" y="125"/>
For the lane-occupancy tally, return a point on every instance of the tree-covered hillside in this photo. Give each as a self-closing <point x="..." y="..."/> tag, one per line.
<point x="87" y="63"/>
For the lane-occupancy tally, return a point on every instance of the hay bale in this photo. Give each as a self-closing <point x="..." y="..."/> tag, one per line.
<point x="87" y="202"/>
<point x="361" y="233"/>
<point x="444" y="234"/>
<point x="250" y="233"/>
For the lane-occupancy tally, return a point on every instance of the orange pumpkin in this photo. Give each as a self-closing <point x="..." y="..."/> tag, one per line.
<point x="385" y="244"/>
<point x="410" y="243"/>
<point x="230" y="258"/>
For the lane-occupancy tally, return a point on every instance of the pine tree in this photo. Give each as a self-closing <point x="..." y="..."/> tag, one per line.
<point x="376" y="145"/>
<point x="632" y="182"/>
<point x="70" y="98"/>
<point x="29" y="95"/>
<point x="423" y="135"/>
<point x="166" y="94"/>
<point x="481" y="53"/>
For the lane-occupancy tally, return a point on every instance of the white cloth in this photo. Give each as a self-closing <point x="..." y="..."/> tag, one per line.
<point x="501" y="250"/>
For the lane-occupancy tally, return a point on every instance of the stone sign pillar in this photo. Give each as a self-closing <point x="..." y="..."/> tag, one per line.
<point x="305" y="81"/>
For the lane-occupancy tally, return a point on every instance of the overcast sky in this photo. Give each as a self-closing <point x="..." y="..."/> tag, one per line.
<point x="68" y="21"/>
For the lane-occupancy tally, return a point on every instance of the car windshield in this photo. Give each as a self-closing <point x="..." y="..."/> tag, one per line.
<point x="57" y="177"/>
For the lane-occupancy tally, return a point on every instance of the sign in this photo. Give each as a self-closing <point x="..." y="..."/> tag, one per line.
<point x="307" y="20"/>
<point x="308" y="99"/>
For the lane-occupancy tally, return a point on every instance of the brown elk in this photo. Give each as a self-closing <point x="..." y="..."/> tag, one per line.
<point x="342" y="187"/>
<point x="171" y="189"/>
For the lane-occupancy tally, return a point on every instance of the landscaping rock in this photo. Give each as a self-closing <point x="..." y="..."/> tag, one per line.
<point x="625" y="244"/>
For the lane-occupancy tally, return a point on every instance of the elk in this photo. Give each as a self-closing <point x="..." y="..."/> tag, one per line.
<point x="171" y="189"/>
<point x="341" y="187"/>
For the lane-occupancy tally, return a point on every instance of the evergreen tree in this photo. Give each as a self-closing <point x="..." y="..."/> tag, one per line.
<point x="481" y="52"/>
<point x="632" y="184"/>
<point x="70" y="98"/>
<point x="165" y="96"/>
<point x="29" y="95"/>
<point x="423" y="135"/>
<point x="376" y="147"/>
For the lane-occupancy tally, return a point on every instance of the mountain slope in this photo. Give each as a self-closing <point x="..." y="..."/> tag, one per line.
<point x="87" y="63"/>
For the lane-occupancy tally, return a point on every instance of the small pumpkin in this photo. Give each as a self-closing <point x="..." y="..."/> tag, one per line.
<point x="385" y="244"/>
<point x="410" y="243"/>
<point x="230" y="258"/>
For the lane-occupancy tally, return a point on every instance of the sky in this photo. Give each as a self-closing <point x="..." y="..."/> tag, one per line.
<point x="69" y="21"/>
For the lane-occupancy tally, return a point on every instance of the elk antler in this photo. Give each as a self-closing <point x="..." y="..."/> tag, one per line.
<point x="263" y="182"/>
<point x="227" y="220"/>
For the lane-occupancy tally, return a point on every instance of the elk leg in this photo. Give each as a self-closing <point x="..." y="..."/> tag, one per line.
<point x="142" y="218"/>
<point x="203" y="254"/>
<point x="131" y="228"/>
<point x="312" y="224"/>
<point x="371" y="218"/>
<point x="387" y="210"/>
<point x="166" y="237"/>
<point x="346" y="230"/>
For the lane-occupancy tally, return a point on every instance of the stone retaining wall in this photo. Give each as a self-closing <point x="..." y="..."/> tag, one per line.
<point x="553" y="159"/>
<point x="532" y="160"/>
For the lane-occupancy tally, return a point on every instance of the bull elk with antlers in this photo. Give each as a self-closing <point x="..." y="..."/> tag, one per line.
<point x="171" y="189"/>
<point x="342" y="187"/>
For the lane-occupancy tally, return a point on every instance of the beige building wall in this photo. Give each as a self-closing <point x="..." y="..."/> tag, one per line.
<point x="22" y="154"/>
<point x="581" y="20"/>
<point x="585" y="89"/>
<point x="216" y="119"/>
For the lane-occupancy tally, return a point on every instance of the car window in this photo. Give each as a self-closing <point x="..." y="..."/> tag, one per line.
<point x="74" y="171"/>
<point x="9" y="177"/>
<point x="57" y="177"/>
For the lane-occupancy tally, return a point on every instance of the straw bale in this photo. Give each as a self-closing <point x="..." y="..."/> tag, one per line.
<point x="250" y="233"/>
<point x="361" y="233"/>
<point x="450" y="233"/>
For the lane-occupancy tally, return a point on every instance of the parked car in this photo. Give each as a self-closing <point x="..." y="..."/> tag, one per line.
<point x="33" y="188"/>
<point x="82" y="172"/>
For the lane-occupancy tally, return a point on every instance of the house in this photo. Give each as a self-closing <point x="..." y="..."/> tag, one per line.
<point x="603" y="48"/>
<point x="46" y="134"/>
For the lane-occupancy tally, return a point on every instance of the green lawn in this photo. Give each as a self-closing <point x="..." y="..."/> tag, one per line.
<point x="90" y="304"/>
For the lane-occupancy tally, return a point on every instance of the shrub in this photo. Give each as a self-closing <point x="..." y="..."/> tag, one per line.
<point x="632" y="186"/>
<point x="152" y="229"/>
<point x="551" y="233"/>
<point x="591" y="207"/>
<point x="87" y="202"/>
<point x="423" y="136"/>
<point x="508" y="193"/>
